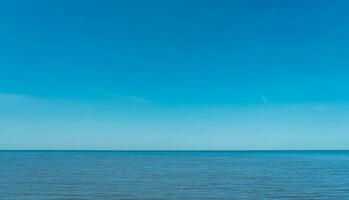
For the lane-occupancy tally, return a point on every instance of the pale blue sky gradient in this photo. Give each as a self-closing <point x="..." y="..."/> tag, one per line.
<point x="174" y="74"/>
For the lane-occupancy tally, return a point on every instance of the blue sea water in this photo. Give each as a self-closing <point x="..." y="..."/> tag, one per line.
<point x="174" y="175"/>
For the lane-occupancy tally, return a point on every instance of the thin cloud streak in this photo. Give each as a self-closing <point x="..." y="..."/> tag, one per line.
<point x="264" y="99"/>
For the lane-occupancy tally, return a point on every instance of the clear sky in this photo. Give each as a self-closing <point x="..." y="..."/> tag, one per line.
<point x="178" y="74"/>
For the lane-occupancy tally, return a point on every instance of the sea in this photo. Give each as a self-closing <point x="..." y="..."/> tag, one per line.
<point x="132" y="175"/>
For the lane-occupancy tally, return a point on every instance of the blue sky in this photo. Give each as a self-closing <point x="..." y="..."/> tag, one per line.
<point x="174" y="74"/>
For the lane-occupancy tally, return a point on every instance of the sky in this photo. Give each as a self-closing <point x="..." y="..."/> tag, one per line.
<point x="174" y="74"/>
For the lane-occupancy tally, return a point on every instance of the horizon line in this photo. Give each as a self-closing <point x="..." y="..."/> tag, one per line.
<point x="169" y="150"/>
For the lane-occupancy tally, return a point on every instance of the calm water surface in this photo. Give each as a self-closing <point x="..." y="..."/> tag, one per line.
<point x="174" y="175"/>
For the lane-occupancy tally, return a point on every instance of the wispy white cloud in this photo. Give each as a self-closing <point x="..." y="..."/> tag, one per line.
<point x="16" y="98"/>
<point x="264" y="99"/>
<point x="137" y="99"/>
<point x="319" y="108"/>
<point x="29" y="101"/>
<point x="20" y="101"/>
